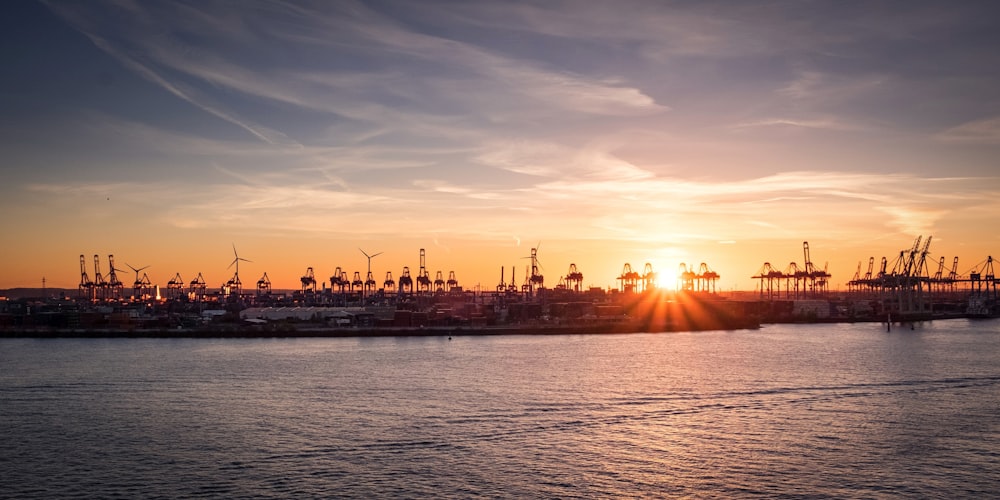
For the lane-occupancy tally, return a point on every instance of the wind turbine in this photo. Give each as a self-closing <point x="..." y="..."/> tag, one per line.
<point x="369" y="278"/>
<point x="136" y="271"/>
<point x="536" y="278"/>
<point x="137" y="284"/>
<point x="370" y="257"/>
<point x="236" y="277"/>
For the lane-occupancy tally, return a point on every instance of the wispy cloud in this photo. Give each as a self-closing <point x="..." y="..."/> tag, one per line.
<point x="820" y="124"/>
<point x="649" y="209"/>
<point x="985" y="131"/>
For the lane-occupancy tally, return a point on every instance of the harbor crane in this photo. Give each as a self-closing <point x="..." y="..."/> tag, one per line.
<point x="197" y="287"/>
<point x="438" y="282"/>
<point x="308" y="281"/>
<point x="115" y="286"/>
<point x="86" y="286"/>
<point x="648" y="277"/>
<point x="706" y="278"/>
<point x="574" y="278"/>
<point x="629" y="279"/>
<point x="338" y="279"/>
<point x="767" y="275"/>
<point x="687" y="277"/>
<point x="502" y="287"/>
<point x="423" y="278"/>
<point x="264" y="285"/>
<point x="100" y="286"/>
<point x="175" y="287"/>
<point x="405" y="281"/>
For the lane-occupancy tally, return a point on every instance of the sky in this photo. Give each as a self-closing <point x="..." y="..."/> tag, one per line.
<point x="602" y="133"/>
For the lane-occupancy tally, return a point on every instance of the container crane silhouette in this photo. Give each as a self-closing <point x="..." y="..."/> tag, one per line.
<point x="308" y="281"/>
<point x="86" y="286"/>
<point x="574" y="278"/>
<point x="423" y="278"/>
<point x="114" y="284"/>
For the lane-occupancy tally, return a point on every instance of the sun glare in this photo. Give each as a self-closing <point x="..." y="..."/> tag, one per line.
<point x="666" y="279"/>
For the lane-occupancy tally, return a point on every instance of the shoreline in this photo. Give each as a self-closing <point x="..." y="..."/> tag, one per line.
<point x="255" y="331"/>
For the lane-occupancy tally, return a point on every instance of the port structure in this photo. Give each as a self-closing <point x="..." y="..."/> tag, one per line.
<point x="701" y="279"/>
<point x="687" y="278"/>
<point x="351" y="291"/>
<point x="339" y="283"/>
<point x="506" y="288"/>
<point x="905" y="288"/>
<point x="983" y="285"/>
<point x="800" y="282"/>
<point x="423" y="278"/>
<point x="405" y="282"/>
<point x="536" y="280"/>
<point x="501" y="287"/>
<point x="629" y="279"/>
<point x="308" y="281"/>
<point x="941" y="283"/>
<point x="913" y="286"/>
<point x="983" y="279"/>
<point x="175" y="287"/>
<point x="574" y="278"/>
<point x="264" y="285"/>
<point x="648" y="277"/>
<point x="198" y="287"/>
<point x="100" y="286"/>
<point x="706" y="278"/>
<point x="86" y="290"/>
<point x="817" y="279"/>
<point x="438" y="282"/>
<point x="338" y="280"/>
<point x="115" y="285"/>
<point x="901" y="289"/>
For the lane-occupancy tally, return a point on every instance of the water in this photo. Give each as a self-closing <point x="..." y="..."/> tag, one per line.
<point x="845" y="411"/>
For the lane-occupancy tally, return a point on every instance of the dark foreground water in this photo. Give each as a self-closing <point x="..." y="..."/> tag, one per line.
<point x="844" y="411"/>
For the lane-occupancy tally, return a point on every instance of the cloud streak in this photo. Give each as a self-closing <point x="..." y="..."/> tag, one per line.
<point x="639" y="123"/>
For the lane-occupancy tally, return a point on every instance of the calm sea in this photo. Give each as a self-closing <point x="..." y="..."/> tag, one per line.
<point x="787" y="411"/>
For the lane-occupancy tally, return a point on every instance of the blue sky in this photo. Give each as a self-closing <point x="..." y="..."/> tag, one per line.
<point x="671" y="132"/>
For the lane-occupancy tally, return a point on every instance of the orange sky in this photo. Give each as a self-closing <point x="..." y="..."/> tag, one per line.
<point x="640" y="133"/>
